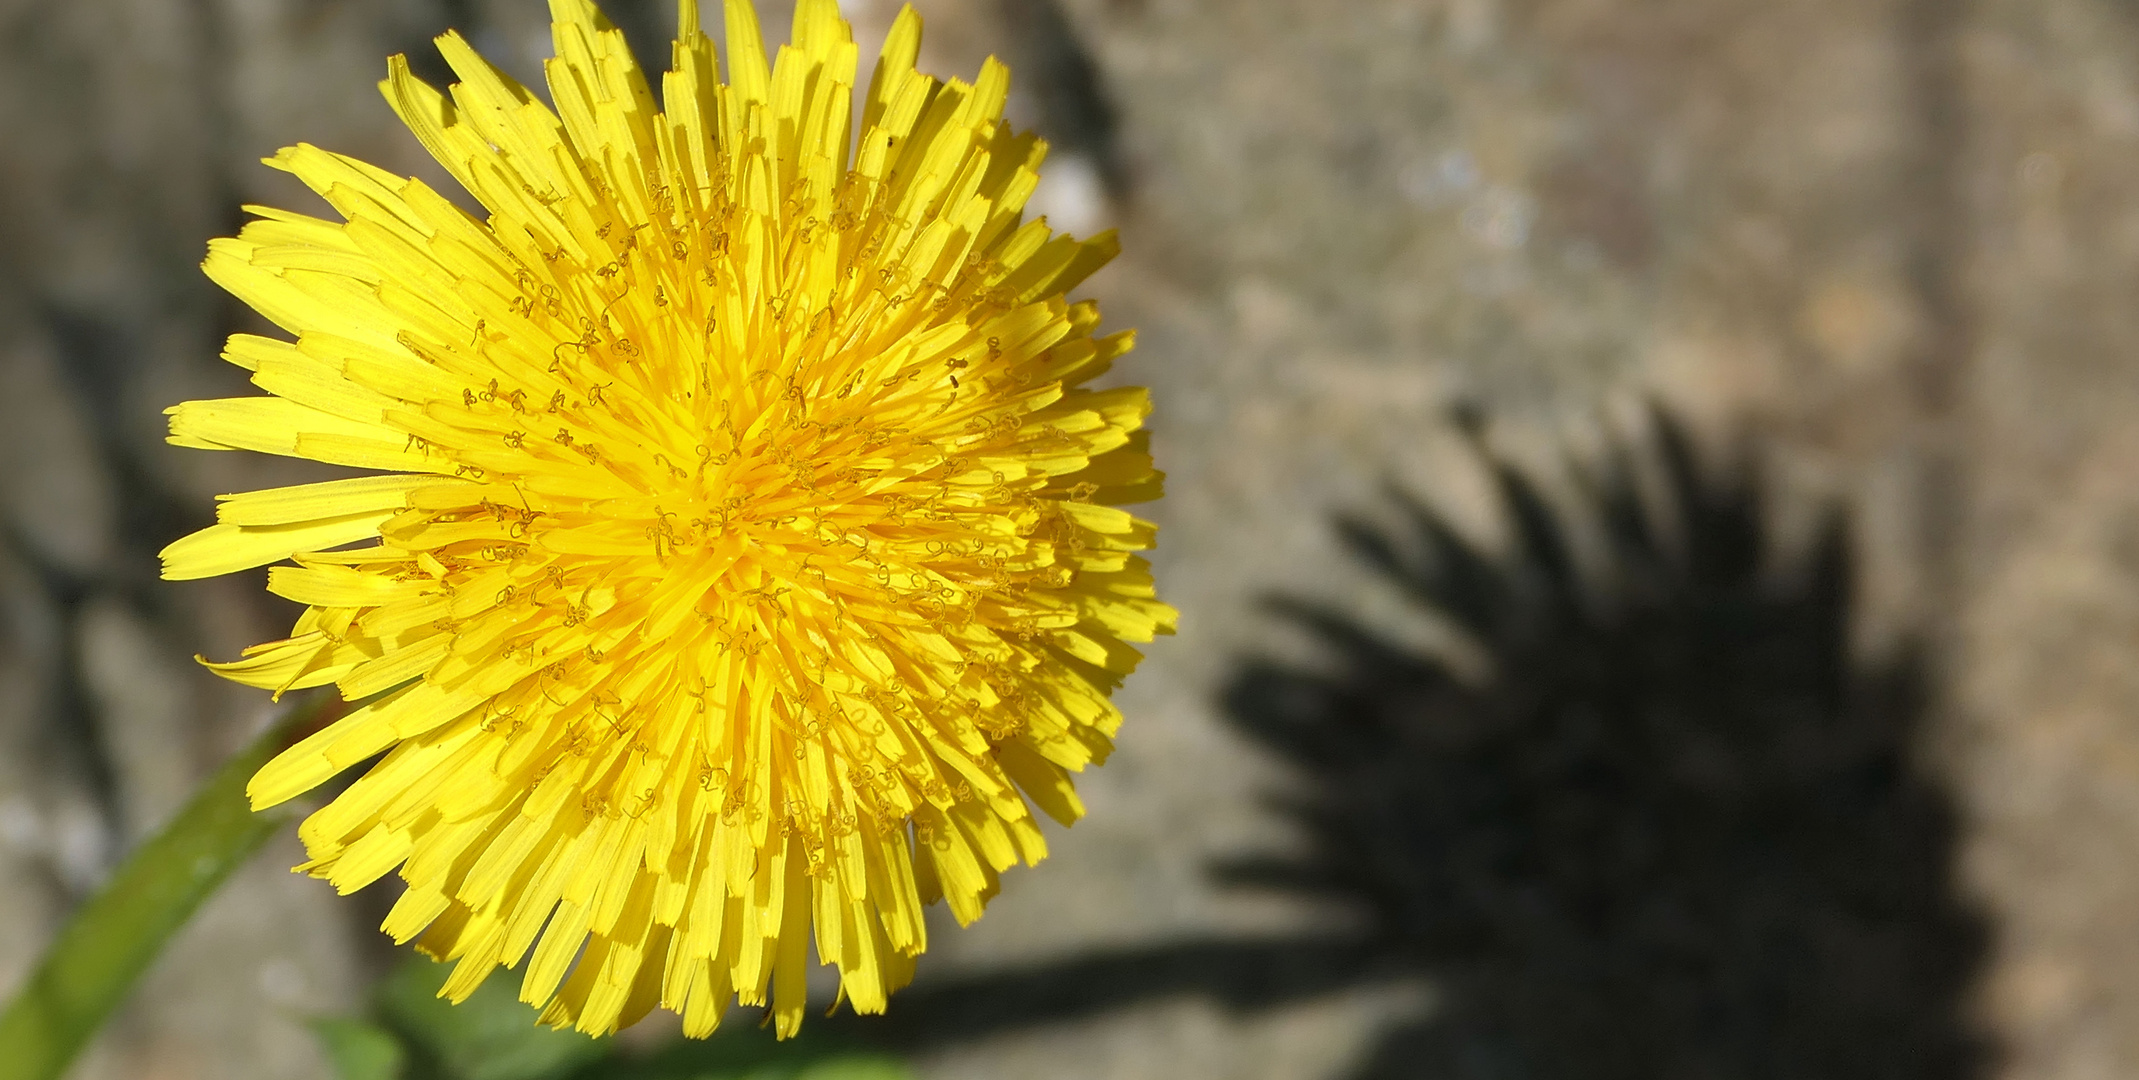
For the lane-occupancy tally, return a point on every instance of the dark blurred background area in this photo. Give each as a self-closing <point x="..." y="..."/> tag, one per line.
<point x="1653" y="497"/>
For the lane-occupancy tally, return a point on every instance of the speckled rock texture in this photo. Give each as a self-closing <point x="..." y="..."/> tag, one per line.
<point x="1878" y="258"/>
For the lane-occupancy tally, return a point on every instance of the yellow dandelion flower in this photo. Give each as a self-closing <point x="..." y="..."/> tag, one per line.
<point x="745" y="555"/>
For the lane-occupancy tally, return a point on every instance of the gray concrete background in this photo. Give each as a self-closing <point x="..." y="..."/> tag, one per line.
<point x="1893" y="245"/>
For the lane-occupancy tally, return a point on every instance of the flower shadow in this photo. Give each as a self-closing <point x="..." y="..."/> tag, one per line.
<point x="1676" y="832"/>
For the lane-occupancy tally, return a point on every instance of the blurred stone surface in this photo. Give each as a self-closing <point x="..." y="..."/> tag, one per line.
<point x="2046" y="640"/>
<point x="1892" y="242"/>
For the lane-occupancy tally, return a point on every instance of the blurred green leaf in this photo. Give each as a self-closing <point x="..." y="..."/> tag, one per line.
<point x="742" y="1051"/>
<point x="493" y="1036"/>
<point x="490" y="1036"/>
<point x="801" y="1063"/>
<point x="861" y="1067"/>
<point x="113" y="937"/>
<point x="360" y="1050"/>
<point x="874" y="1067"/>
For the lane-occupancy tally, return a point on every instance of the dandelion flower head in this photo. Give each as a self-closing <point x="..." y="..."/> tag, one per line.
<point x="739" y="561"/>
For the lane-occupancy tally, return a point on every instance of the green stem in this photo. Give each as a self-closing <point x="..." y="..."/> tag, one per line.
<point x="112" y="939"/>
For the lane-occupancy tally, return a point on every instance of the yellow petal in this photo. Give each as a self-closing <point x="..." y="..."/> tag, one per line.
<point x="225" y="548"/>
